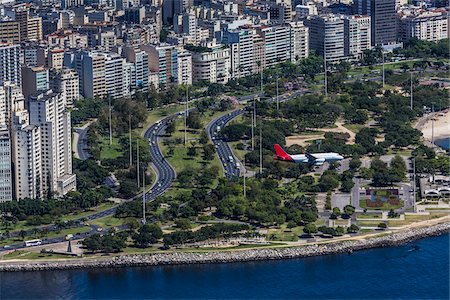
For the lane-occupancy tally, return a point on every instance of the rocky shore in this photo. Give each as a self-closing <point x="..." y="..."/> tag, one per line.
<point x="174" y="258"/>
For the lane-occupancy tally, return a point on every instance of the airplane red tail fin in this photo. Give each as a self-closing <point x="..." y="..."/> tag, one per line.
<point x="281" y="154"/>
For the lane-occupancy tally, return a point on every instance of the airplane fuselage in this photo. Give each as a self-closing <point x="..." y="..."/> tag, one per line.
<point x="320" y="157"/>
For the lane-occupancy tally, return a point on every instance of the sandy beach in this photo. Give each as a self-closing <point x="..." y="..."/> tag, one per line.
<point x="441" y="125"/>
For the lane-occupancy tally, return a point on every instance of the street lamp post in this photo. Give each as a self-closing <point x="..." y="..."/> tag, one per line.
<point x="144" y="220"/>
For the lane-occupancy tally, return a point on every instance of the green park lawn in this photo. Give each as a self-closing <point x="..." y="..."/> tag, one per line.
<point x="107" y="222"/>
<point x="110" y="151"/>
<point x="180" y="160"/>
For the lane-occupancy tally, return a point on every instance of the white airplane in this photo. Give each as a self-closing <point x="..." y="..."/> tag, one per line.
<point x="316" y="159"/>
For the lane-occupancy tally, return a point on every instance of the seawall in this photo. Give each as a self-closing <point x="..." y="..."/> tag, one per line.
<point x="176" y="258"/>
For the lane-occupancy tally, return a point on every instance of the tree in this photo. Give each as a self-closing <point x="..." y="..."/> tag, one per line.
<point x="22" y="234"/>
<point x="203" y="138"/>
<point x="392" y="214"/>
<point x="131" y="223"/>
<point x="349" y="209"/>
<point x="340" y="230"/>
<point x="208" y="152"/>
<point x="353" y="229"/>
<point x="183" y="224"/>
<point x="147" y="234"/>
<point x="382" y="226"/>
<point x="310" y="228"/>
<point x="93" y="243"/>
<point x="194" y="120"/>
<point x="192" y="151"/>
<point x="171" y="127"/>
<point x="398" y="168"/>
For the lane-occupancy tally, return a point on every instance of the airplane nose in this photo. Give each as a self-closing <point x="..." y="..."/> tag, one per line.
<point x="341" y="157"/>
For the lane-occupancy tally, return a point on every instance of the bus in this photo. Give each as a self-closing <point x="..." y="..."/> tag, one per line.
<point x="31" y="243"/>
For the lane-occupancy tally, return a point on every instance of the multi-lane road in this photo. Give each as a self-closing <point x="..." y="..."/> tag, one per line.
<point x="229" y="161"/>
<point x="164" y="171"/>
<point x="165" y="177"/>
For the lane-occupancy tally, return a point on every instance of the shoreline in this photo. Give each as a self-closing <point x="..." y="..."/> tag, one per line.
<point x="183" y="258"/>
<point x="441" y="125"/>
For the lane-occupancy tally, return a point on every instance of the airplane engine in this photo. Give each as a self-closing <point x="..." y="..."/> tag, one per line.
<point x="319" y="162"/>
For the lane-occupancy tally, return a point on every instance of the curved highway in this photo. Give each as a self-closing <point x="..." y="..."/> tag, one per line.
<point x="165" y="173"/>
<point x="229" y="161"/>
<point x="165" y="177"/>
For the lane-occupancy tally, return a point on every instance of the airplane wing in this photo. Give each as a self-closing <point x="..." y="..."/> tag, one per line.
<point x="310" y="157"/>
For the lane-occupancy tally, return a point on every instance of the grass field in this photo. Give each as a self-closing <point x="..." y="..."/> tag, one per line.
<point x="180" y="160"/>
<point x="354" y="127"/>
<point x="108" y="151"/>
<point x="106" y="222"/>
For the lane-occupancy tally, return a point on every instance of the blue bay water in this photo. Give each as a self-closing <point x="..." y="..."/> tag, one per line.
<point x="418" y="270"/>
<point x="444" y="143"/>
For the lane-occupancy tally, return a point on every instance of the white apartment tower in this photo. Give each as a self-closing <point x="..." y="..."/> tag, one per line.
<point x="10" y="63"/>
<point x="212" y="65"/>
<point x="114" y="83"/>
<point x="27" y="158"/>
<point x="6" y="182"/>
<point x="277" y="44"/>
<point x="299" y="41"/>
<point x="241" y="43"/>
<point x="48" y="111"/>
<point x="326" y="36"/>
<point x="185" y="68"/>
<point x="357" y="37"/>
<point x="424" y="25"/>
<point x="66" y="81"/>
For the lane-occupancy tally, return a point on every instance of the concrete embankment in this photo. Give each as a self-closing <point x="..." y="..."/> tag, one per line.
<point x="174" y="258"/>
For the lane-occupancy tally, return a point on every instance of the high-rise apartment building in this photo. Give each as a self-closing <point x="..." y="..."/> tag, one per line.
<point x="357" y="37"/>
<point x="163" y="60"/>
<point x="14" y="101"/>
<point x="35" y="79"/>
<point x="424" y="25"/>
<point x="299" y="41"/>
<point x="10" y="63"/>
<point x="48" y="111"/>
<point x="66" y="81"/>
<point x="114" y="84"/>
<point x="326" y="36"/>
<point x="139" y="68"/>
<point x="27" y="150"/>
<point x="383" y="19"/>
<point x="241" y="43"/>
<point x="10" y="32"/>
<point x="185" y="68"/>
<point x="6" y="182"/>
<point x="211" y="63"/>
<point x="277" y="44"/>
<point x="90" y="66"/>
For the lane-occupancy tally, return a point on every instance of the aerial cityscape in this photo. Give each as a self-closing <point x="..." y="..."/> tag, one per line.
<point x="292" y="138"/>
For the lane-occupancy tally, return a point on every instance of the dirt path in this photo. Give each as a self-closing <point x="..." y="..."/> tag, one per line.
<point x="303" y="139"/>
